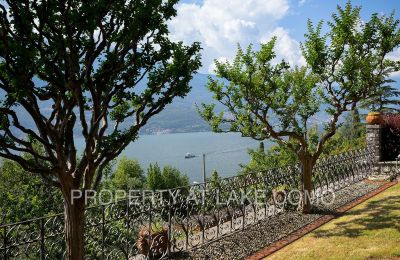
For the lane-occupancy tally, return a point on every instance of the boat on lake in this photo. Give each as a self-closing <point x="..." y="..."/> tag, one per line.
<point x="189" y="155"/>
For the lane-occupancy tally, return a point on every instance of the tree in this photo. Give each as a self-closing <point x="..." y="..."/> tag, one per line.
<point x="275" y="156"/>
<point x="128" y="175"/>
<point x="154" y="177"/>
<point x="387" y="99"/>
<point x="214" y="180"/>
<point x="265" y="100"/>
<point x="169" y="178"/>
<point x="173" y="178"/>
<point x="24" y="196"/>
<point x="350" y="135"/>
<point x="104" y="68"/>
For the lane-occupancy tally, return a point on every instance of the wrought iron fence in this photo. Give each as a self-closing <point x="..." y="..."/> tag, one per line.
<point x="169" y="223"/>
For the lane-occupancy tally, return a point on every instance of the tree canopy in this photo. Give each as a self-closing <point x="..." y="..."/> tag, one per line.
<point x="344" y="66"/>
<point x="24" y="196"/>
<point x="128" y="175"/>
<point x="264" y="99"/>
<point x="386" y="100"/>
<point x="100" y="69"/>
<point x="167" y="178"/>
<point x="85" y="60"/>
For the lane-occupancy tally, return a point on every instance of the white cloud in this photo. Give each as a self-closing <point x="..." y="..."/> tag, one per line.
<point x="220" y="24"/>
<point x="395" y="55"/>
<point x="286" y="47"/>
<point x="212" y="66"/>
<point x="302" y="2"/>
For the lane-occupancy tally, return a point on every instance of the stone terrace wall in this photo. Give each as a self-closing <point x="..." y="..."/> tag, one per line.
<point x="390" y="137"/>
<point x="384" y="140"/>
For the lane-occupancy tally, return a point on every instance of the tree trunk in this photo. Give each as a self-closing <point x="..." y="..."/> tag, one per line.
<point x="74" y="228"/>
<point x="308" y="165"/>
<point x="356" y="116"/>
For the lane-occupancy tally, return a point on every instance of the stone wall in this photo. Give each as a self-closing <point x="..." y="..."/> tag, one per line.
<point x="384" y="170"/>
<point x="390" y="135"/>
<point x="374" y="139"/>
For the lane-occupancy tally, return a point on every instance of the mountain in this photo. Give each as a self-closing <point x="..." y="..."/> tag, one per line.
<point x="178" y="117"/>
<point x="181" y="116"/>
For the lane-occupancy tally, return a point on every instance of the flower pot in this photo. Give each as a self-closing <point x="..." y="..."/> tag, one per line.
<point x="279" y="196"/>
<point x="153" y="243"/>
<point x="374" y="118"/>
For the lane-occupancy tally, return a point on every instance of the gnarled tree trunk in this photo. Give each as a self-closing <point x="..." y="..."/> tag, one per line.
<point x="74" y="213"/>
<point x="308" y="165"/>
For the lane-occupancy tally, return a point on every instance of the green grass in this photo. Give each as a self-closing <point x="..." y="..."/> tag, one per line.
<point x="369" y="231"/>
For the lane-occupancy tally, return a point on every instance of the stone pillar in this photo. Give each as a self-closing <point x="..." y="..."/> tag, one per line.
<point x="374" y="139"/>
<point x="382" y="171"/>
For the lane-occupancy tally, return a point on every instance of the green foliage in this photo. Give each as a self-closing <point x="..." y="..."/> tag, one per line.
<point x="350" y="136"/>
<point x="169" y="178"/>
<point x="173" y="178"/>
<point x="386" y="100"/>
<point x="128" y="175"/>
<point x="255" y="87"/>
<point x="104" y="67"/>
<point x="214" y="181"/>
<point x="351" y="58"/>
<point x="88" y="61"/>
<point x="214" y="192"/>
<point x="154" y="177"/>
<point x="24" y="196"/>
<point x="275" y="156"/>
<point x="265" y="100"/>
<point x="283" y="187"/>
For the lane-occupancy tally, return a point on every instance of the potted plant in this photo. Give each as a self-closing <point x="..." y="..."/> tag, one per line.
<point x="153" y="241"/>
<point x="374" y="118"/>
<point x="280" y="192"/>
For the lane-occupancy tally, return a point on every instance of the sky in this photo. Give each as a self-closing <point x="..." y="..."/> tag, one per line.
<point x="221" y="24"/>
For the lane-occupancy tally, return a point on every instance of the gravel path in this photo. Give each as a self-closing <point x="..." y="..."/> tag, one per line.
<point x="244" y="243"/>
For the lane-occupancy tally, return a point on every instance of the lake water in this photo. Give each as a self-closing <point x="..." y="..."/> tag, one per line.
<point x="224" y="152"/>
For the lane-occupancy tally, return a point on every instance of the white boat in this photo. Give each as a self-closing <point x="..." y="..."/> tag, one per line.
<point x="189" y="155"/>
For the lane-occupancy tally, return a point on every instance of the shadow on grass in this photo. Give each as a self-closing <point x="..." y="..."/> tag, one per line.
<point x="376" y="215"/>
<point x="323" y="211"/>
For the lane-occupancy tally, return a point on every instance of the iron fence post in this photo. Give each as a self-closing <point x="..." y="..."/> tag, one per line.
<point x="244" y="203"/>
<point x="5" y="243"/>
<point x="150" y="219"/>
<point x="103" y="220"/>
<point x="127" y="228"/>
<point x="42" y="238"/>
<point x="266" y="197"/>
<point x="187" y="226"/>
<point x="204" y="219"/>
<point x="169" y="229"/>
<point x="204" y="171"/>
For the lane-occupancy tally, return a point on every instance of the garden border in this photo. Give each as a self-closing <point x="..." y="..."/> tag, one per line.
<point x="281" y="243"/>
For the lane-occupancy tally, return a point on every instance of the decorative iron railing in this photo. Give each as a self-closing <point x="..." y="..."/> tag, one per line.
<point x="169" y="223"/>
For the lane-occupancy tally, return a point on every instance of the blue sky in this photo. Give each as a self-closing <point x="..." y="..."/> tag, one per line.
<point x="220" y="24"/>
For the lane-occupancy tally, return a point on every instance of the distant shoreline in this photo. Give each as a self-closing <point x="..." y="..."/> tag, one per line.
<point x="172" y="133"/>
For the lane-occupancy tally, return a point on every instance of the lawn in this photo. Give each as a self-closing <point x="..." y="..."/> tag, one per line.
<point x="369" y="231"/>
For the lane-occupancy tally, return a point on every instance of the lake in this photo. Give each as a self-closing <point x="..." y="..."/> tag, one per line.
<point x="224" y="152"/>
